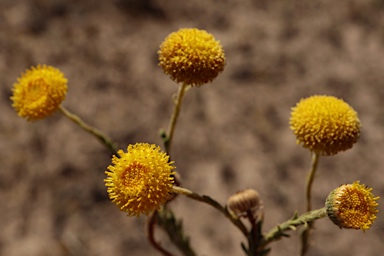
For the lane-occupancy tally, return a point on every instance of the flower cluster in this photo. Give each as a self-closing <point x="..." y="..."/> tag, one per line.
<point x="140" y="180"/>
<point x="39" y="92"/>
<point x="191" y="56"/>
<point x="325" y="124"/>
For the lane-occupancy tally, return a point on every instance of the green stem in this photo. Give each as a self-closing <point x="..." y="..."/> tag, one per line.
<point x="208" y="200"/>
<point x="168" y="221"/>
<point x="310" y="178"/>
<point x="172" y="122"/>
<point x="306" y="218"/>
<point x="305" y="233"/>
<point x="95" y="132"/>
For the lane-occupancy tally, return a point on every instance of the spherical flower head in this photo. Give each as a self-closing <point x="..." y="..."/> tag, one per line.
<point x="191" y="56"/>
<point x="140" y="181"/>
<point x="39" y="92"/>
<point x="352" y="206"/>
<point x="325" y="124"/>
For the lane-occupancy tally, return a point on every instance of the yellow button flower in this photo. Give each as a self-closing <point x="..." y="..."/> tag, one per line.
<point x="140" y="181"/>
<point x="352" y="206"/>
<point x="39" y="92"/>
<point x="325" y="124"/>
<point x="191" y="56"/>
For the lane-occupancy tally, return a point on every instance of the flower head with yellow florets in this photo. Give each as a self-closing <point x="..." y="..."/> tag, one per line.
<point x="39" y="92"/>
<point x="325" y="124"/>
<point x="352" y="206"/>
<point x="140" y="181"/>
<point x="191" y="56"/>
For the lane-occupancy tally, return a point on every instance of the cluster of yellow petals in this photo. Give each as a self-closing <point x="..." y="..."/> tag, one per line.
<point x="352" y="206"/>
<point x="325" y="124"/>
<point x="191" y="56"/>
<point x="39" y="92"/>
<point x="140" y="180"/>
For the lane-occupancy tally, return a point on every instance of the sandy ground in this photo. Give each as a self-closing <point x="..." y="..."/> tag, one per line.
<point x="232" y="134"/>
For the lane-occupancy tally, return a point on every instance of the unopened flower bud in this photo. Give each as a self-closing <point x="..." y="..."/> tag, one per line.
<point x="244" y="202"/>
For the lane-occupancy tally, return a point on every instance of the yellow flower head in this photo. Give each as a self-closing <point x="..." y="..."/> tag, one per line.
<point x="325" y="124"/>
<point x="352" y="206"/>
<point x="140" y="181"/>
<point x="39" y="92"/>
<point x="191" y="56"/>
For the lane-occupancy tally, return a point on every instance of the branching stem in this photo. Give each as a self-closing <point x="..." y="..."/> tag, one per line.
<point x="305" y="233"/>
<point x="304" y="219"/>
<point x="175" y="114"/>
<point x="208" y="200"/>
<point x="95" y="132"/>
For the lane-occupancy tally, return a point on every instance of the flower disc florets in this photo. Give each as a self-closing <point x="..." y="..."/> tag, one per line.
<point x="140" y="181"/>
<point x="191" y="56"/>
<point x="39" y="92"/>
<point x="352" y="206"/>
<point x="325" y="124"/>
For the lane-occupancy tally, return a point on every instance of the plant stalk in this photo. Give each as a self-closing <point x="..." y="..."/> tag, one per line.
<point x="175" y="114"/>
<point x="208" y="200"/>
<point x="88" y="128"/>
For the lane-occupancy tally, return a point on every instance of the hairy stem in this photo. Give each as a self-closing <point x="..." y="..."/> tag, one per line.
<point x="304" y="219"/>
<point x="309" y="181"/>
<point x="305" y="233"/>
<point x="206" y="199"/>
<point x="95" y="132"/>
<point x="175" y="114"/>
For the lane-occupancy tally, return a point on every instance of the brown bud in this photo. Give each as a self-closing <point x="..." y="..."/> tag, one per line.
<point x="244" y="202"/>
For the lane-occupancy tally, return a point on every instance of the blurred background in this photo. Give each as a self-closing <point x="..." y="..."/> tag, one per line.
<point x="232" y="134"/>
